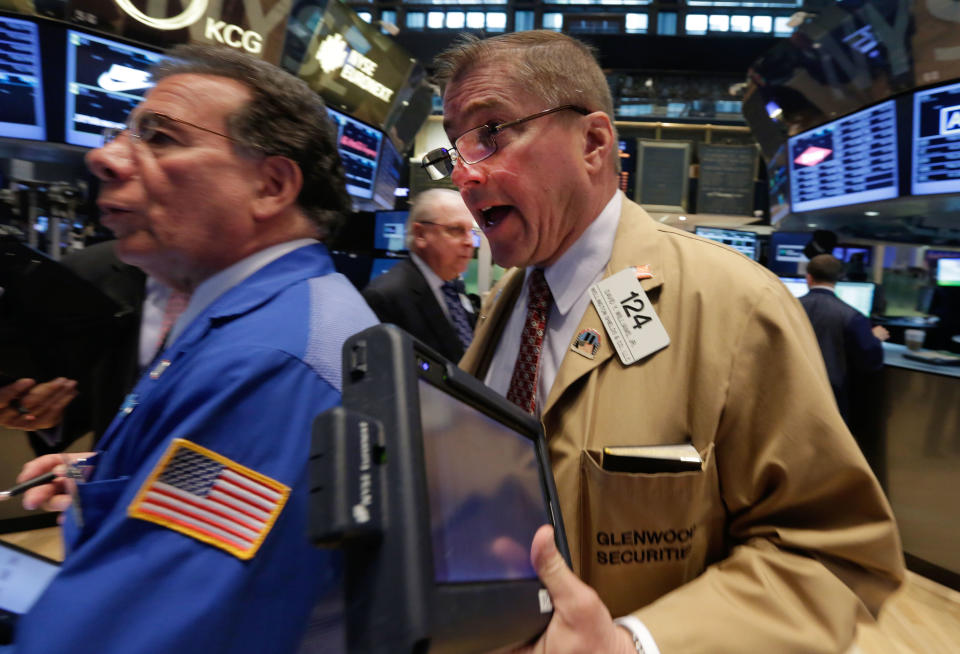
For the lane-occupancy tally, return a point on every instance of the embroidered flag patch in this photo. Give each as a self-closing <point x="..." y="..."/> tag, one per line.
<point x="207" y="496"/>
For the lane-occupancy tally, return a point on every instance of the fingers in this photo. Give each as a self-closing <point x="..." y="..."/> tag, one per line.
<point x="39" y="466"/>
<point x="53" y="496"/>
<point x="11" y="391"/>
<point x="41" y="406"/>
<point x="546" y="559"/>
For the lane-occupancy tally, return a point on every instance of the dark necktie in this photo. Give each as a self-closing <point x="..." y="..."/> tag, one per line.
<point x="523" y="383"/>
<point x="458" y="314"/>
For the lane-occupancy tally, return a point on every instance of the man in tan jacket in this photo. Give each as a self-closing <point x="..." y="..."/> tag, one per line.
<point x="759" y="528"/>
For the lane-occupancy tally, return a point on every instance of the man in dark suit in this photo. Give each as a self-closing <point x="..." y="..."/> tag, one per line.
<point x="424" y="294"/>
<point x="61" y="410"/>
<point x="851" y="348"/>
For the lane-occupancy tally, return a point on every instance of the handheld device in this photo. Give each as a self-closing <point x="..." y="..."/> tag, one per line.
<point x="433" y="486"/>
<point x="23" y="576"/>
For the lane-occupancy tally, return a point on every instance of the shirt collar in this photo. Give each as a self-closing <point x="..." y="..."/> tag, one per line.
<point x="216" y="285"/>
<point x="571" y="275"/>
<point x="433" y="279"/>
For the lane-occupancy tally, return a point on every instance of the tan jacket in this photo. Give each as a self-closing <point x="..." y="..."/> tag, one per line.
<point x="784" y="536"/>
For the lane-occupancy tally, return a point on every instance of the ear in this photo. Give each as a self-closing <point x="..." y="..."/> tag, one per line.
<point x="598" y="141"/>
<point x="278" y="187"/>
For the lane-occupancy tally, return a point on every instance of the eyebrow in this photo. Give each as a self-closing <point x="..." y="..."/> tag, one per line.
<point x="474" y="106"/>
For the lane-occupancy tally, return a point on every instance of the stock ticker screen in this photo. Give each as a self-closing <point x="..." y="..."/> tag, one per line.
<point x="936" y="140"/>
<point x="105" y="80"/>
<point x="359" y="147"/>
<point x="21" y="87"/>
<point x="846" y="161"/>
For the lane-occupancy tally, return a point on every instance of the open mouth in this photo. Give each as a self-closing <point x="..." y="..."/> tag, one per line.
<point x="493" y="215"/>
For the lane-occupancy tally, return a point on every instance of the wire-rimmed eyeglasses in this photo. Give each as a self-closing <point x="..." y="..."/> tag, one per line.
<point x="479" y="143"/>
<point x="458" y="232"/>
<point x="153" y="128"/>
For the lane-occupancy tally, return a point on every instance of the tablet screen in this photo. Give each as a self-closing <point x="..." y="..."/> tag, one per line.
<point x="485" y="495"/>
<point x="23" y="576"/>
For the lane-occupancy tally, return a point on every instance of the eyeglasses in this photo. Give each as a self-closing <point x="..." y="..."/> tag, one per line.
<point x="479" y="143"/>
<point x="454" y="231"/>
<point x="154" y="129"/>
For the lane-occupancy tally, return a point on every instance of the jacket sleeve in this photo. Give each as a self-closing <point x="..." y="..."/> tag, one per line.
<point x="812" y="540"/>
<point x="865" y="349"/>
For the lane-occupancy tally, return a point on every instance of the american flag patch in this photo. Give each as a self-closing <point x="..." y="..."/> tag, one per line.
<point x="206" y="496"/>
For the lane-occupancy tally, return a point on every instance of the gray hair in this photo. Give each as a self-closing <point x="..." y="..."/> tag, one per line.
<point x="423" y="208"/>
<point x="552" y="66"/>
<point x="284" y="117"/>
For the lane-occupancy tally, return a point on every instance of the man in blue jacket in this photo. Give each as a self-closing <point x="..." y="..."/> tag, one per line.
<point x="851" y="348"/>
<point x="190" y="534"/>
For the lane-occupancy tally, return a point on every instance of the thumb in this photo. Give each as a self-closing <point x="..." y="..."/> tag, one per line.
<point x="550" y="566"/>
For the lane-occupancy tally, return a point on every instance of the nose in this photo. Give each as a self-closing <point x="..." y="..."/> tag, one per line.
<point x="465" y="174"/>
<point x="113" y="161"/>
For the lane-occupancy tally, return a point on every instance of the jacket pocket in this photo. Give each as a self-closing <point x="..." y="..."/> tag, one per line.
<point x="643" y="534"/>
<point x="96" y="500"/>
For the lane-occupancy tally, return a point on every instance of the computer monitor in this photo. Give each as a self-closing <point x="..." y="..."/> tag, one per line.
<point x="382" y="265"/>
<point x="359" y="147"/>
<point x="859" y="295"/>
<point x="846" y="161"/>
<point x="796" y="285"/>
<point x="859" y="253"/>
<point x="786" y="252"/>
<point x="743" y="242"/>
<point x="936" y="138"/>
<point x="948" y="272"/>
<point x="390" y="230"/>
<point x="106" y="79"/>
<point x="21" y="81"/>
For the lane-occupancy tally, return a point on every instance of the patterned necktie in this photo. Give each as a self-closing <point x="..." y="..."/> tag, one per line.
<point x="176" y="303"/>
<point x="458" y="315"/>
<point x="523" y="383"/>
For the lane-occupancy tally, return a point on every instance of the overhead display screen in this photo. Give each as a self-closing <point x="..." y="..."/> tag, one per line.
<point x="847" y="161"/>
<point x="105" y="80"/>
<point x="936" y="141"/>
<point x="21" y="84"/>
<point x="742" y="241"/>
<point x="359" y="147"/>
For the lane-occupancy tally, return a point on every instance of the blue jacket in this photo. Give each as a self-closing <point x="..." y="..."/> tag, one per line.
<point x="846" y="341"/>
<point x="245" y="381"/>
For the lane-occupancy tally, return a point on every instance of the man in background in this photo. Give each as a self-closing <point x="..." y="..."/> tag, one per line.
<point x="618" y="331"/>
<point x="190" y="534"/>
<point x="424" y="294"/>
<point x="851" y="348"/>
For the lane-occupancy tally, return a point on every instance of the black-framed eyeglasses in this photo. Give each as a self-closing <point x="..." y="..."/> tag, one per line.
<point x="479" y="143"/>
<point x="454" y="231"/>
<point x="154" y="129"/>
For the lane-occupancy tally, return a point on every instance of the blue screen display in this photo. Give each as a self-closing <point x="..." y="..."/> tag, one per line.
<point x="21" y="81"/>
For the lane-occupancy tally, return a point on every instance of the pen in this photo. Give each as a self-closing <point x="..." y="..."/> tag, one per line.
<point x="45" y="478"/>
<point x="24" y="486"/>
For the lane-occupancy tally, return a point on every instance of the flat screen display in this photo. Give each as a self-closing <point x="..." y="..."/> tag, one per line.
<point x="850" y="253"/>
<point x="484" y="491"/>
<point x="778" y="186"/>
<point x="359" y="147"/>
<point x="948" y="272"/>
<point x="105" y="80"/>
<point x="796" y="285"/>
<point x="846" y="161"/>
<point x="743" y="242"/>
<point x="21" y="81"/>
<point x="390" y="230"/>
<point x="935" y="165"/>
<point x="23" y="576"/>
<point x="786" y="252"/>
<point x="382" y="265"/>
<point x="389" y="170"/>
<point x="858" y="295"/>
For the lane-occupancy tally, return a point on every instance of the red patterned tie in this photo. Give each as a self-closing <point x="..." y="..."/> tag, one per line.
<point x="523" y="383"/>
<point x="176" y="303"/>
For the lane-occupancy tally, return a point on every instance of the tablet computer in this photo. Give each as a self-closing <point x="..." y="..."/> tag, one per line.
<point x="433" y="485"/>
<point x="23" y="576"/>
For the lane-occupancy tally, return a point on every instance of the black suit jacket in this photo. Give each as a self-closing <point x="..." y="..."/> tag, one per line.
<point x="847" y="343"/>
<point x="402" y="296"/>
<point x="103" y="386"/>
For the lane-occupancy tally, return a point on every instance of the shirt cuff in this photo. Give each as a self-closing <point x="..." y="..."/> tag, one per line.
<point x="640" y="633"/>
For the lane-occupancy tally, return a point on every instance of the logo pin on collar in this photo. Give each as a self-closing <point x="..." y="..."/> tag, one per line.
<point x="587" y="343"/>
